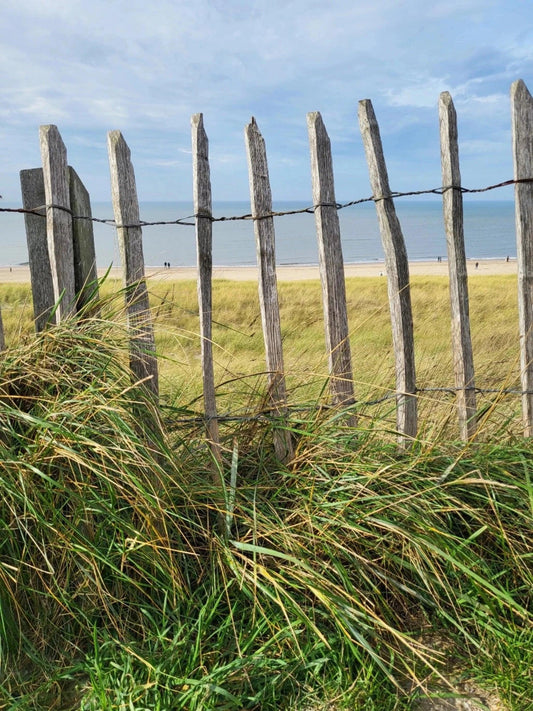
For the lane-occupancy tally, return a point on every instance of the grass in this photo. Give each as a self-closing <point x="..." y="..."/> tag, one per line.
<point x="119" y="590"/>
<point x="238" y="340"/>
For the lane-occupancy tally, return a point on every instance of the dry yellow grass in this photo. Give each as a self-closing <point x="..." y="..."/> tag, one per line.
<point x="238" y="339"/>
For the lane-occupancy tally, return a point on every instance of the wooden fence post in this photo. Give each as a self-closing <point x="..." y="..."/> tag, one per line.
<point x="204" y="242"/>
<point x="143" y="359"/>
<point x="85" y="274"/>
<point x="261" y="202"/>
<point x="522" y="128"/>
<point x="42" y="286"/>
<point x="452" y="201"/>
<point x="331" y="265"/>
<point x="58" y="219"/>
<point x="397" y="275"/>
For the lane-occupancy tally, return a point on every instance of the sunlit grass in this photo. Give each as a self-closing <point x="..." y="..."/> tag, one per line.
<point x="118" y="588"/>
<point x="238" y="340"/>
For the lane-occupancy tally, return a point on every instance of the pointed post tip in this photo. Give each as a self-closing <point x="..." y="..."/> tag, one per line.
<point x="50" y="140"/>
<point x="252" y="127"/>
<point x="50" y="132"/>
<point x="114" y="135"/>
<point x="366" y="114"/>
<point x="314" y="121"/>
<point x="519" y="87"/>
<point x="115" y="138"/>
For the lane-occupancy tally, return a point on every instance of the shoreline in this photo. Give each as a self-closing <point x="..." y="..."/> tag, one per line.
<point x="292" y="272"/>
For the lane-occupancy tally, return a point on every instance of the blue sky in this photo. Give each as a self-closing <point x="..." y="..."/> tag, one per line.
<point x="146" y="67"/>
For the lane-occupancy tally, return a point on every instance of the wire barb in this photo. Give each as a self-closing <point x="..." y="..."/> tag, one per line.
<point x="248" y="216"/>
<point x="198" y="419"/>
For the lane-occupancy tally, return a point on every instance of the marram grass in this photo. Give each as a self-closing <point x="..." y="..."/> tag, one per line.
<point x="119" y="589"/>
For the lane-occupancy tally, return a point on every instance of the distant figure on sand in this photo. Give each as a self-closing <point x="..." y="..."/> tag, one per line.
<point x="477" y="265"/>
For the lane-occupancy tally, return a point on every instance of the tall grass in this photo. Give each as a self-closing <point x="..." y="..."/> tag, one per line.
<point x="238" y="340"/>
<point x="119" y="590"/>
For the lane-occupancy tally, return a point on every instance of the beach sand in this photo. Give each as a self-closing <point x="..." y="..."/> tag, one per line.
<point x="485" y="267"/>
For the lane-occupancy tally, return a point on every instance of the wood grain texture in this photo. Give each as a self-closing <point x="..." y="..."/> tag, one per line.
<point x="204" y="244"/>
<point x="397" y="275"/>
<point x="452" y="201"/>
<point x="143" y="360"/>
<point x="85" y="274"/>
<point x="261" y="204"/>
<point x="331" y="264"/>
<point x="42" y="286"/>
<point x="58" y="220"/>
<point x="522" y="132"/>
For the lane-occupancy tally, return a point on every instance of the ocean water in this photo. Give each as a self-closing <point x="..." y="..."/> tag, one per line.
<point x="489" y="234"/>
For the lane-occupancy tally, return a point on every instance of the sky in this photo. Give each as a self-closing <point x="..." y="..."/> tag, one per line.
<point x="145" y="68"/>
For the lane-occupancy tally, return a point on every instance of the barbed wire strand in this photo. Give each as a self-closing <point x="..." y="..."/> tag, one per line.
<point x="38" y="211"/>
<point x="289" y="409"/>
<point x="41" y="210"/>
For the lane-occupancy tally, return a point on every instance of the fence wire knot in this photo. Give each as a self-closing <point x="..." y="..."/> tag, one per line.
<point x="205" y="214"/>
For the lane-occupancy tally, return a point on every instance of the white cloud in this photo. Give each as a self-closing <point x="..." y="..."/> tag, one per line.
<point x="420" y="93"/>
<point x="480" y="146"/>
<point x="91" y="67"/>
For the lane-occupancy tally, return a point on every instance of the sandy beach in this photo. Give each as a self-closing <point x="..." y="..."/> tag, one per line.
<point x="485" y="267"/>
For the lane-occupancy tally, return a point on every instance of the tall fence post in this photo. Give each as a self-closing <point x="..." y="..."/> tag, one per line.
<point x="522" y="129"/>
<point x="261" y="202"/>
<point x="452" y="202"/>
<point x="58" y="219"/>
<point x="85" y="273"/>
<point x="397" y="275"/>
<point x="42" y="286"/>
<point x="143" y="359"/>
<point x="331" y="265"/>
<point x="204" y="243"/>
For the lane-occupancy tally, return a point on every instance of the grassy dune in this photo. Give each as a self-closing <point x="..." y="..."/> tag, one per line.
<point x="342" y="581"/>
<point x="238" y="341"/>
<point x="239" y="350"/>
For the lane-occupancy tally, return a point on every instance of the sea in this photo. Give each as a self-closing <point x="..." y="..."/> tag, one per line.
<point x="489" y="228"/>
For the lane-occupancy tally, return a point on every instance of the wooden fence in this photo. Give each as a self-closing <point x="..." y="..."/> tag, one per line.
<point x="62" y="260"/>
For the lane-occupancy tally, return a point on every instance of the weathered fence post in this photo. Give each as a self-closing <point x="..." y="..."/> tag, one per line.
<point x="261" y="202"/>
<point x="204" y="241"/>
<point x="331" y="264"/>
<point x="82" y="238"/>
<point x="58" y="220"/>
<point x="452" y="201"/>
<point x="85" y="274"/>
<point x="397" y="275"/>
<point x="143" y="359"/>
<point x="522" y="128"/>
<point x="42" y="286"/>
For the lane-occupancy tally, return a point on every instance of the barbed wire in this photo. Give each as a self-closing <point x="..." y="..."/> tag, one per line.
<point x="271" y="417"/>
<point x="197" y="419"/>
<point x="186" y="221"/>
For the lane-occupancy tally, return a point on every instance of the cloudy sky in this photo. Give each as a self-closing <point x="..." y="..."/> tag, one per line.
<point x="146" y="67"/>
